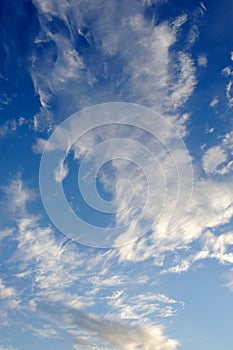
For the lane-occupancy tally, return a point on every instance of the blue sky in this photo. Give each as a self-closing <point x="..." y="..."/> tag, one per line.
<point x="158" y="146"/>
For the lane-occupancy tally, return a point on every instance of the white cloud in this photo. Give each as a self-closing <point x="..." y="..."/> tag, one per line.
<point x="6" y="292"/>
<point x="142" y="306"/>
<point x="184" y="83"/>
<point x="211" y="206"/>
<point x="202" y="61"/>
<point x="210" y="130"/>
<point x="43" y="121"/>
<point x="46" y="331"/>
<point x="61" y="172"/>
<point x="218" y="159"/>
<point x="4" y="129"/>
<point x="10" y="127"/>
<point x="4" y="98"/>
<point x="227" y="71"/>
<point x="119" y="335"/>
<point x="227" y="141"/>
<point x="229" y="93"/>
<point x="17" y="196"/>
<point x="9" y="298"/>
<point x="55" y="265"/>
<point x="212" y="158"/>
<point x="127" y="150"/>
<point x="179" y="21"/>
<point x="39" y="253"/>
<point x="138" y="67"/>
<point x="203" y="6"/>
<point x="44" y="257"/>
<point x="214" y="102"/>
<point x="151" y="77"/>
<point x="6" y="233"/>
<point x="220" y="247"/>
<point x="40" y="144"/>
<point x="226" y="169"/>
<point x="213" y="247"/>
<point x="183" y="266"/>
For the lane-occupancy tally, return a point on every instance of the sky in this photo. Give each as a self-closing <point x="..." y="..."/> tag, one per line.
<point x="116" y="195"/>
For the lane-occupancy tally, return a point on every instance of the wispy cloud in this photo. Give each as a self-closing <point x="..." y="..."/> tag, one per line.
<point x="50" y="269"/>
<point x="7" y="232"/>
<point x="108" y="65"/>
<point x="229" y="278"/>
<point x="183" y="83"/>
<point x="229" y="93"/>
<point x="143" y="306"/>
<point x="214" y="102"/>
<point x="227" y="72"/>
<point x="10" y="127"/>
<point x="17" y="196"/>
<point x="211" y="207"/>
<point x="203" y="6"/>
<point x="46" y="331"/>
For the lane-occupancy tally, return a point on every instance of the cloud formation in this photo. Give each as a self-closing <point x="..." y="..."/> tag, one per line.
<point x="54" y="266"/>
<point x="119" y="336"/>
<point x="83" y="57"/>
<point x="218" y="159"/>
